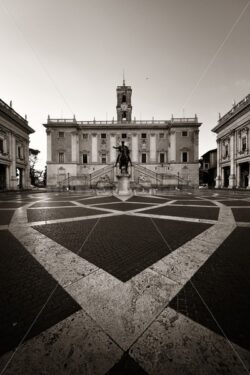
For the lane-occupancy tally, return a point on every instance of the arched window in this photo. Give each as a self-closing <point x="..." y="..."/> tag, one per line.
<point x="124" y="99"/>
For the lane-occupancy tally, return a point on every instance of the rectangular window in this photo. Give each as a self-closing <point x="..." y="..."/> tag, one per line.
<point x="103" y="159"/>
<point x="206" y="165"/>
<point x="84" y="158"/>
<point x="184" y="157"/>
<point x="1" y="146"/>
<point x="124" y="135"/>
<point x="162" y="157"/>
<point x="144" y="135"/>
<point x="161" y="135"/>
<point x="61" y="157"/>
<point x="143" y="158"/>
<point x="19" y="152"/>
<point x="244" y="143"/>
<point x="103" y="135"/>
<point x="85" y="136"/>
<point x="184" y="133"/>
<point x="61" y="134"/>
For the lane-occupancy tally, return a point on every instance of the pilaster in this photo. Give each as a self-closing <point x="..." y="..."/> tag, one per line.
<point x="74" y="147"/>
<point x="172" y="145"/>
<point x="134" y="148"/>
<point x="13" y="178"/>
<point x="238" y="175"/>
<point x="152" y="145"/>
<point x="218" y="177"/>
<point x="112" y="150"/>
<point x="48" y="145"/>
<point x="26" y="174"/>
<point x="94" y="153"/>
<point x="196" y="145"/>
<point x="232" y="179"/>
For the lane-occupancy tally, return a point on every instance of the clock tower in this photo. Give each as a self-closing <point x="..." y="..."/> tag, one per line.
<point x="123" y="107"/>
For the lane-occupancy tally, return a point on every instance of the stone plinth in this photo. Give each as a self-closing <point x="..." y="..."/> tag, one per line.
<point x="123" y="184"/>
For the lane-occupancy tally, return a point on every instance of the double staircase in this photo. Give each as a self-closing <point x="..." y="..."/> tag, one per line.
<point x="141" y="177"/>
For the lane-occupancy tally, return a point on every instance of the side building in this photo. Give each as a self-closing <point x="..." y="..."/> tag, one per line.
<point x="14" y="149"/>
<point x="81" y="153"/>
<point x="208" y="168"/>
<point x="233" y="151"/>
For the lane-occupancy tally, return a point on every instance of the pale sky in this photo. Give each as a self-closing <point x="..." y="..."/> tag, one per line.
<point x="65" y="57"/>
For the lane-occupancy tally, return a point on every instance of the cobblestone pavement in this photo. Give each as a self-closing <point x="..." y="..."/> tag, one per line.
<point x="144" y="285"/>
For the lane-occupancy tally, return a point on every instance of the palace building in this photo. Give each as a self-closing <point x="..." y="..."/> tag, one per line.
<point x="14" y="149"/>
<point x="233" y="151"/>
<point x="163" y="152"/>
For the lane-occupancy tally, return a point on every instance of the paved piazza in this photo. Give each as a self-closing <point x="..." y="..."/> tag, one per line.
<point x="148" y="285"/>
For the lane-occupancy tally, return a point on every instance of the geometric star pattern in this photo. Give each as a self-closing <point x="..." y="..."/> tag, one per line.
<point x="145" y="279"/>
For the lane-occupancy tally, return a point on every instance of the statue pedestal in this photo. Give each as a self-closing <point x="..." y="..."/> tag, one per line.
<point x="123" y="184"/>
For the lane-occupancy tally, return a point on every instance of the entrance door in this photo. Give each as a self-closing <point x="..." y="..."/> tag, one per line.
<point x="2" y="177"/>
<point x="226" y="176"/>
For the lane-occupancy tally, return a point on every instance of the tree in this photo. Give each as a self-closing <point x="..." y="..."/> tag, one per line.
<point x="34" y="174"/>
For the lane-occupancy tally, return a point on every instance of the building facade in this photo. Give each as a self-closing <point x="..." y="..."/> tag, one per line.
<point x="14" y="149"/>
<point x="208" y="168"/>
<point x="81" y="153"/>
<point x="233" y="151"/>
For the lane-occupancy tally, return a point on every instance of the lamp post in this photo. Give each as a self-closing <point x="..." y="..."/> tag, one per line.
<point x="68" y="182"/>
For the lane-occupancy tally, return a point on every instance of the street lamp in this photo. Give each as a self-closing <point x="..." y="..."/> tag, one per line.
<point x="68" y="182"/>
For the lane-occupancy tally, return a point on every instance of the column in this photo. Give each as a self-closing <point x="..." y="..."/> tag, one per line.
<point x="7" y="176"/>
<point x="13" y="179"/>
<point x="94" y="148"/>
<point x="232" y="183"/>
<point x="172" y="153"/>
<point x="48" y="145"/>
<point x="238" y="175"/>
<point x="134" y="148"/>
<point x="152" y="145"/>
<point x="219" y="170"/>
<point x="112" y="150"/>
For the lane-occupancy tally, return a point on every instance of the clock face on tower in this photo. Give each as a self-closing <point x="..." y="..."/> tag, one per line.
<point x="124" y="106"/>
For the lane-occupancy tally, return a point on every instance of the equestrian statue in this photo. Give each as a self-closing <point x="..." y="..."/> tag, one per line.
<point x="123" y="157"/>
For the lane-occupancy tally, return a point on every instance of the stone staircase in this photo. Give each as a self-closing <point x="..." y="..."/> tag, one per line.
<point x="100" y="174"/>
<point x="142" y="173"/>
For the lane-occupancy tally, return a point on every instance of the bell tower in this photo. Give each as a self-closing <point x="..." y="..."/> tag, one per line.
<point x="123" y="107"/>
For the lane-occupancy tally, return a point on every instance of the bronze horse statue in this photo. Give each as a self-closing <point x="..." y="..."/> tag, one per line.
<point x="123" y="158"/>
